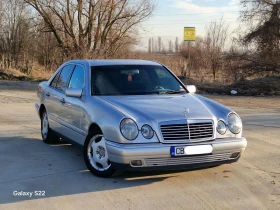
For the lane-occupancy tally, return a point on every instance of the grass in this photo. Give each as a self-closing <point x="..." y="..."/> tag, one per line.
<point x="36" y="75"/>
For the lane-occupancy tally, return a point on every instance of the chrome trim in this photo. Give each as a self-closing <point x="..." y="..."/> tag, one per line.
<point x="184" y="160"/>
<point x="189" y="125"/>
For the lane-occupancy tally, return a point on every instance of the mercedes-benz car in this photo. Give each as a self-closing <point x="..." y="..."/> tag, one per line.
<point x="136" y="115"/>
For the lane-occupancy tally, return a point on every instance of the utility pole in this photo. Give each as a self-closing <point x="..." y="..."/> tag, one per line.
<point x="189" y="35"/>
<point x="189" y="59"/>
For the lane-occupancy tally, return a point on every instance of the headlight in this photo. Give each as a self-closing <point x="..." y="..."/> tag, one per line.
<point x="129" y="129"/>
<point x="221" y="127"/>
<point x="147" y="131"/>
<point x="234" y="123"/>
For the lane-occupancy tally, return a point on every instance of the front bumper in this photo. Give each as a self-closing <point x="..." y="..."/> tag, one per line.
<point x="157" y="155"/>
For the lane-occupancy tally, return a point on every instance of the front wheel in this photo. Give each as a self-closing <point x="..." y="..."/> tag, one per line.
<point x="96" y="156"/>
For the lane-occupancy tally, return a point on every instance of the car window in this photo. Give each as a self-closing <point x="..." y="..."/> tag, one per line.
<point x="162" y="74"/>
<point x="54" y="81"/>
<point x="132" y="79"/>
<point x="77" y="78"/>
<point x="165" y="79"/>
<point x="64" y="77"/>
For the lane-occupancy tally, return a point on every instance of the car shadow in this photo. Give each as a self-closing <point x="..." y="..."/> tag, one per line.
<point x="29" y="165"/>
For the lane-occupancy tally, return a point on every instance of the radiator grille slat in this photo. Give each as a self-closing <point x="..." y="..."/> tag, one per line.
<point x="191" y="131"/>
<point x="176" y="134"/>
<point x="200" y="128"/>
<point x="185" y="160"/>
<point x="177" y="131"/>
<point x="201" y="132"/>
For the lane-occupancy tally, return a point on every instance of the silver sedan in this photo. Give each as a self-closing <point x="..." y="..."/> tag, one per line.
<point x="136" y="115"/>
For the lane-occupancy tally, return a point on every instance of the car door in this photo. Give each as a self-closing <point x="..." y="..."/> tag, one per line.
<point x="73" y="113"/>
<point x="55" y="98"/>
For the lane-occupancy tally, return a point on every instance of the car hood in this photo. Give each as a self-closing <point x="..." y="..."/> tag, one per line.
<point x="161" y="108"/>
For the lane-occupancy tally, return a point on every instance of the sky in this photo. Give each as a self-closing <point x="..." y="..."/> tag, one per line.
<point x="171" y="16"/>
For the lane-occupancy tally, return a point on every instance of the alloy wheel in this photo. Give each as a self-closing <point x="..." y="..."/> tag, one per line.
<point x="97" y="153"/>
<point x="45" y="126"/>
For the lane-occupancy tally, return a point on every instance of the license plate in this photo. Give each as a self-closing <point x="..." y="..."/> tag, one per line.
<point x="191" y="150"/>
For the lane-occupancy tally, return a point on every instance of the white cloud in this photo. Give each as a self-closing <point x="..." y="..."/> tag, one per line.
<point x="234" y="3"/>
<point x="193" y="8"/>
<point x="190" y="7"/>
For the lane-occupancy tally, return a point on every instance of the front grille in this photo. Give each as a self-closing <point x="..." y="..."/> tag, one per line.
<point x="186" y="160"/>
<point x="190" y="131"/>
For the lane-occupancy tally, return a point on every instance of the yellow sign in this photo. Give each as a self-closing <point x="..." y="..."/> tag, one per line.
<point x="189" y="34"/>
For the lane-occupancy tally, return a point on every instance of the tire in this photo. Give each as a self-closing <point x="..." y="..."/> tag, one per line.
<point x="48" y="136"/>
<point x="96" y="156"/>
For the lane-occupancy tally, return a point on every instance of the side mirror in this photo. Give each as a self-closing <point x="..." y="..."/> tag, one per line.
<point x="191" y="88"/>
<point x="74" y="92"/>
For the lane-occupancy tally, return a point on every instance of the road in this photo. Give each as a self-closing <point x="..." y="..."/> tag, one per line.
<point x="29" y="165"/>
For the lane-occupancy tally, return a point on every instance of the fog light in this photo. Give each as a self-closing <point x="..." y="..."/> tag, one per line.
<point x="235" y="155"/>
<point x="136" y="163"/>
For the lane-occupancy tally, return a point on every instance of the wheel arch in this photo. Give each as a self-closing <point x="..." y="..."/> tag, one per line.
<point x="94" y="127"/>
<point x="41" y="109"/>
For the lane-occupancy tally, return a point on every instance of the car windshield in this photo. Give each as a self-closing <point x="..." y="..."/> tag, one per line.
<point x="133" y="80"/>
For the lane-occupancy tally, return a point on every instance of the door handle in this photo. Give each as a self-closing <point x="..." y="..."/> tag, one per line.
<point x="62" y="100"/>
<point x="48" y="94"/>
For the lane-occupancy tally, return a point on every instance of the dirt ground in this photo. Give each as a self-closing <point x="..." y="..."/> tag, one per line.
<point x="29" y="165"/>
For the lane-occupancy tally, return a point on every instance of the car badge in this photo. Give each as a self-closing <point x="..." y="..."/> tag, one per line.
<point x="186" y="112"/>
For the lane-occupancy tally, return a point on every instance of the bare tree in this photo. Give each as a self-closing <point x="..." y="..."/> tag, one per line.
<point x="14" y="33"/>
<point x="155" y="45"/>
<point x="176" y="45"/>
<point x="163" y="50"/>
<point x="216" y="36"/>
<point x="171" y="47"/>
<point x="98" y="27"/>
<point x="150" y="45"/>
<point x="199" y="55"/>
<point x="159" y="44"/>
<point x="263" y="17"/>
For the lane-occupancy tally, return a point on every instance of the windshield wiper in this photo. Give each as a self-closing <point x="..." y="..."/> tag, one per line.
<point x="173" y="91"/>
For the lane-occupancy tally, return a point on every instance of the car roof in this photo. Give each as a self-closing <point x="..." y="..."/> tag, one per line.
<point x="106" y="62"/>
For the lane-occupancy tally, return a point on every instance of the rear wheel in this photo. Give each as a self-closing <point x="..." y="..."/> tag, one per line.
<point x="48" y="135"/>
<point x="96" y="156"/>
